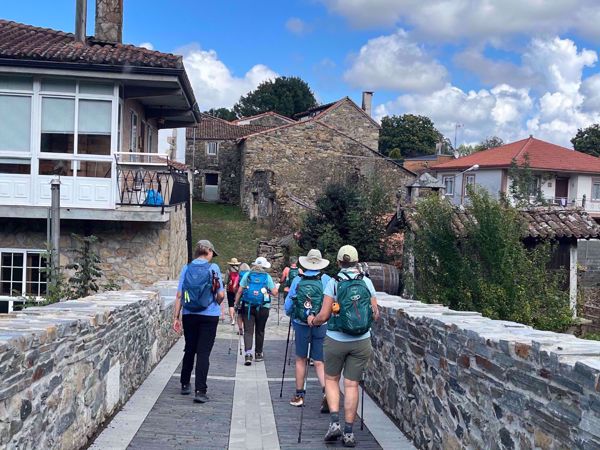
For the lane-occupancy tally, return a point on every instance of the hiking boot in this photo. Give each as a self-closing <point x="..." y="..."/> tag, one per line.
<point x="349" y="440"/>
<point x="258" y="357"/>
<point x="248" y="360"/>
<point x="297" y="400"/>
<point x="240" y="332"/>
<point x="333" y="433"/>
<point x="324" y="405"/>
<point x="200" y="397"/>
<point x="186" y="389"/>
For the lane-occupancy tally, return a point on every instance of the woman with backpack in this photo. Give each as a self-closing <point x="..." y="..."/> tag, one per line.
<point x="256" y="288"/>
<point x="244" y="269"/>
<point x="233" y="283"/>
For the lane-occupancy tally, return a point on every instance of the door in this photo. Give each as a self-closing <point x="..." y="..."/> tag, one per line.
<point x="561" y="191"/>
<point x="211" y="187"/>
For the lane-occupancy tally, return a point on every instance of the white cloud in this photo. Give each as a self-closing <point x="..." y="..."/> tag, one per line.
<point x="395" y="62"/>
<point x="214" y="84"/>
<point x="147" y="45"/>
<point x="296" y="26"/>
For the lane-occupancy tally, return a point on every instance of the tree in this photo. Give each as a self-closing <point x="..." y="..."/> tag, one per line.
<point x="465" y="150"/>
<point x="222" y="113"/>
<point x="413" y="135"/>
<point x="587" y="140"/>
<point x="489" y="142"/>
<point x="284" y="95"/>
<point x="525" y="187"/>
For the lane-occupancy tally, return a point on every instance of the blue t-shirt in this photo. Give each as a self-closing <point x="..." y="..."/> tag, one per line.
<point x="270" y="286"/>
<point x="330" y="291"/>
<point x="214" y="309"/>
<point x="289" y="302"/>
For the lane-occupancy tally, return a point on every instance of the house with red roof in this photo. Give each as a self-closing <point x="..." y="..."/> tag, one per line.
<point x="84" y="112"/>
<point x="564" y="176"/>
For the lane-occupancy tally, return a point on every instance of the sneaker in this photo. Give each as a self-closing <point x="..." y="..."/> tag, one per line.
<point x="324" y="405"/>
<point x="258" y="357"/>
<point x="186" y="389"/>
<point x="349" y="440"/>
<point x="297" y="400"/>
<point x="248" y="360"/>
<point x="311" y="362"/>
<point x="200" y="397"/>
<point x="333" y="433"/>
<point x="232" y="322"/>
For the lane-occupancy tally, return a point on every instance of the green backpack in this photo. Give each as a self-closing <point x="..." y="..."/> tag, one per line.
<point x="355" y="315"/>
<point x="293" y="273"/>
<point x="309" y="297"/>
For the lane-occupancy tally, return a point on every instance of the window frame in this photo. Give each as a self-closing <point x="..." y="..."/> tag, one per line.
<point x="24" y="252"/>
<point x="465" y="183"/>
<point x="29" y="93"/>
<point x="453" y="179"/>
<point x="133" y="132"/>
<point x="216" y="148"/>
<point x="595" y="180"/>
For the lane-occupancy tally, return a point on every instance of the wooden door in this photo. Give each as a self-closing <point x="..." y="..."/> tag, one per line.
<point x="561" y="191"/>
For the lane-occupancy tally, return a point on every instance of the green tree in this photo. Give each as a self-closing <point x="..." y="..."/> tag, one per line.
<point x="222" y="113"/>
<point x="413" y="135"/>
<point x="525" y="187"/>
<point x="489" y="142"/>
<point x="587" y="140"/>
<point x="465" y="150"/>
<point x="284" y="95"/>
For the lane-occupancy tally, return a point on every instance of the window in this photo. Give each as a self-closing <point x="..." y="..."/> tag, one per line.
<point x="150" y="141"/>
<point x="211" y="148"/>
<point x="15" y="123"/>
<point x="596" y="189"/>
<point x="15" y="166"/>
<point x="22" y="272"/>
<point x="449" y="184"/>
<point x="93" y="134"/>
<point x="133" y="136"/>
<point x="469" y="180"/>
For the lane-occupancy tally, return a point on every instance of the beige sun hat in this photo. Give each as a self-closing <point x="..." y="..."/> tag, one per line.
<point x="313" y="260"/>
<point x="233" y="262"/>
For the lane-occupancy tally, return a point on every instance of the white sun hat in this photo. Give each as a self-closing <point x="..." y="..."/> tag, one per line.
<point x="261" y="261"/>
<point x="313" y="260"/>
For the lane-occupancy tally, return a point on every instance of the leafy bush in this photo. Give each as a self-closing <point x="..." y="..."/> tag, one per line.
<point x="486" y="267"/>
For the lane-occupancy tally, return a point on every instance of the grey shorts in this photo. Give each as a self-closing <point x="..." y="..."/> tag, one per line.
<point x="352" y="357"/>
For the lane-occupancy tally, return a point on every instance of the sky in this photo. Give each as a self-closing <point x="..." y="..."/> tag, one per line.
<point x="477" y="68"/>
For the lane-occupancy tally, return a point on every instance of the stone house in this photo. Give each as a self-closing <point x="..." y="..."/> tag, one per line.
<point x="269" y="119"/>
<point x="86" y="110"/>
<point x="283" y="169"/>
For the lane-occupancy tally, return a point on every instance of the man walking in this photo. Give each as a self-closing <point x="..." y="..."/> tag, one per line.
<point x="349" y="306"/>
<point x="199" y="296"/>
<point x="305" y="298"/>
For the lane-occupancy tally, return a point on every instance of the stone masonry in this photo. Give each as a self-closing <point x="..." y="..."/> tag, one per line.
<point x="350" y="120"/>
<point x="67" y="367"/>
<point x="457" y="380"/>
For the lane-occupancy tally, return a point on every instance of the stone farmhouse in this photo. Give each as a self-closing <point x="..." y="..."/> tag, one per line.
<point x="275" y="167"/>
<point x="86" y="110"/>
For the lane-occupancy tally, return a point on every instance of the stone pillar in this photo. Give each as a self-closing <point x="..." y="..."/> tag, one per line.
<point x="573" y="278"/>
<point x="109" y="21"/>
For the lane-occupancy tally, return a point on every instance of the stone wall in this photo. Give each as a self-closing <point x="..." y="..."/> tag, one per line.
<point x="265" y="120"/>
<point x="351" y="120"/>
<point x="303" y="160"/>
<point x="135" y="254"/>
<point x="67" y="367"/>
<point x="456" y="380"/>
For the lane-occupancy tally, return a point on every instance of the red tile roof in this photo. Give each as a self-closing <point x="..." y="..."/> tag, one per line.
<point x="210" y="127"/>
<point x="541" y="154"/>
<point x="26" y="42"/>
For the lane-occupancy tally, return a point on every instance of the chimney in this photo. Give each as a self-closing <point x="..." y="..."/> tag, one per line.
<point x="80" y="20"/>
<point x="109" y="21"/>
<point x="367" y="100"/>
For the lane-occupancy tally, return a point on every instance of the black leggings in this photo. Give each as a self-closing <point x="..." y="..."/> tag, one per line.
<point x="258" y="318"/>
<point x="199" y="332"/>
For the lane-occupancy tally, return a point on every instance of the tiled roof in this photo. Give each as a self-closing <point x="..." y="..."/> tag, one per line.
<point x="210" y="127"/>
<point x="26" y="42"/>
<point x="541" y="154"/>
<point x="543" y="223"/>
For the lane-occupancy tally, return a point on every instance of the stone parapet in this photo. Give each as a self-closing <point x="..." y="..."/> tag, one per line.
<point x="455" y="380"/>
<point x="67" y="367"/>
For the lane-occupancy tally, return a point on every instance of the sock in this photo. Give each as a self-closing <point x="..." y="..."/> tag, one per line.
<point x="348" y="428"/>
<point x="248" y="352"/>
<point x="323" y="390"/>
<point x="334" y="417"/>
<point x="300" y="392"/>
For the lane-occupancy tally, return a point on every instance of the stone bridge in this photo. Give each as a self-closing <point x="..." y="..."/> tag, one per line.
<point x="102" y="373"/>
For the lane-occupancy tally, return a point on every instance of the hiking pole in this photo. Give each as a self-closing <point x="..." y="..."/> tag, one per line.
<point x="231" y="337"/>
<point x="278" y="303"/>
<point x="287" y="345"/>
<point x="304" y="388"/>
<point x="362" y="404"/>
<point x="289" y="360"/>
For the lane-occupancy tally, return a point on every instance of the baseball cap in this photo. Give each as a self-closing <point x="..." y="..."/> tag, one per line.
<point x="347" y="253"/>
<point x="261" y="261"/>
<point x="207" y="244"/>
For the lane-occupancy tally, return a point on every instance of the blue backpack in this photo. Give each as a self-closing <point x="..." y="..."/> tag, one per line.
<point x="253" y="294"/>
<point x="197" y="287"/>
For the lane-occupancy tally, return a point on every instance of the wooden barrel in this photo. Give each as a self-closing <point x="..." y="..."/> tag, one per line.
<point x="385" y="277"/>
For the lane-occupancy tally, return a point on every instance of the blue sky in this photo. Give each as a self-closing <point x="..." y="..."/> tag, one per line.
<point x="502" y="67"/>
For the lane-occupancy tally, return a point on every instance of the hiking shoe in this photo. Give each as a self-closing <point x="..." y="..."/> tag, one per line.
<point x="297" y="400"/>
<point x="240" y="332"/>
<point x="200" y="397"/>
<point x="333" y="433"/>
<point x="186" y="389"/>
<point x="258" y="357"/>
<point x="349" y="440"/>
<point x="248" y="360"/>
<point x="232" y="322"/>
<point x="324" y="405"/>
<point x="311" y="362"/>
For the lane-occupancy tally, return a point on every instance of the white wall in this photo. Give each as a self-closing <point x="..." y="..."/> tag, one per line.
<point x="490" y="179"/>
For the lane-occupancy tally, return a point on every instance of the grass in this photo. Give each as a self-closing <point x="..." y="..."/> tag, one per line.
<point x="592" y="336"/>
<point x="230" y="231"/>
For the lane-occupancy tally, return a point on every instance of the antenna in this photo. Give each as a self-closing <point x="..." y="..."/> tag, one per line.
<point x="456" y="127"/>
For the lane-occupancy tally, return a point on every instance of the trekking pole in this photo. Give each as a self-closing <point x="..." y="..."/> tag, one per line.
<point x="278" y="303"/>
<point x="289" y="360"/>
<point x="362" y="404"/>
<point x="231" y="337"/>
<point x="304" y="388"/>
<point x="287" y="345"/>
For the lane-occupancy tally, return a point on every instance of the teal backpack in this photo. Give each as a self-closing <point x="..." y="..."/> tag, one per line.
<point x="309" y="297"/>
<point x="293" y="273"/>
<point x="253" y="294"/>
<point x="355" y="315"/>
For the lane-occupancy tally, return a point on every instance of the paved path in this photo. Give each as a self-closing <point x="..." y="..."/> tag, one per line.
<point x="245" y="410"/>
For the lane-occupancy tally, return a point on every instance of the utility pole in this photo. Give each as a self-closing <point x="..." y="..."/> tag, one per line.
<point x="55" y="228"/>
<point x="456" y="127"/>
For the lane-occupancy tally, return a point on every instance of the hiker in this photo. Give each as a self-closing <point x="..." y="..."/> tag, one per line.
<point x="349" y="307"/>
<point x="244" y="269"/>
<point x="199" y="297"/>
<point x="305" y="298"/>
<point x="289" y="273"/>
<point x="256" y="288"/>
<point x="233" y="283"/>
